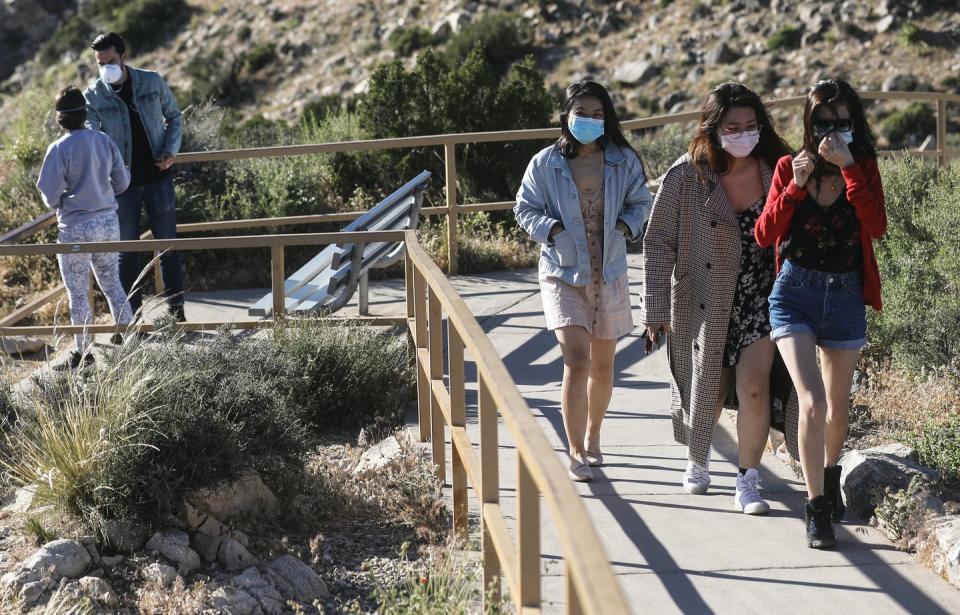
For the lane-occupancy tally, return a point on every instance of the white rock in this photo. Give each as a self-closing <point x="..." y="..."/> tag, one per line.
<point x="865" y="471"/>
<point x="296" y="580"/>
<point x="379" y="456"/>
<point x="246" y="497"/>
<point x="55" y="560"/>
<point x="20" y="501"/>
<point x="30" y="592"/>
<point x="175" y="546"/>
<point x="946" y="548"/>
<point x="234" y="601"/>
<point x="206" y="547"/>
<point x="159" y="574"/>
<point x="99" y="590"/>
<point x="233" y="555"/>
<point x="636" y="72"/>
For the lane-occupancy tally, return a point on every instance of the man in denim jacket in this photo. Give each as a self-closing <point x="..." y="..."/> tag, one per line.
<point x="138" y="111"/>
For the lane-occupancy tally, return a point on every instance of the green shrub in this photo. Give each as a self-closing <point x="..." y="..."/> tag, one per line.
<point x="908" y="126"/>
<point x="145" y="24"/>
<point x="261" y="56"/>
<point x="482" y="244"/>
<point x="787" y="37"/>
<point x="660" y="149"/>
<point x="73" y="37"/>
<point x="345" y="376"/>
<point x="502" y="38"/>
<point x="910" y="36"/>
<point x="218" y="77"/>
<point x="404" y="41"/>
<point x="919" y="261"/>
<point x="938" y="444"/>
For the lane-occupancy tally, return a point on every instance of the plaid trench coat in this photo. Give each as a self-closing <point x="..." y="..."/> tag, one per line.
<point x="691" y="259"/>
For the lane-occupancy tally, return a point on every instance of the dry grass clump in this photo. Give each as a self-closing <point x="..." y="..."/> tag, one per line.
<point x="155" y="599"/>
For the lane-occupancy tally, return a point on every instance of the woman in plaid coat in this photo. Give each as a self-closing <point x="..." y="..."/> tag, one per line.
<point x="707" y="283"/>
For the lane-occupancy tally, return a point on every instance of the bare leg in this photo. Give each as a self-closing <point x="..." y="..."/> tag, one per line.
<point x="600" y="387"/>
<point x="838" y="367"/>
<point x="575" y="346"/>
<point x="753" y="394"/>
<point x="799" y="353"/>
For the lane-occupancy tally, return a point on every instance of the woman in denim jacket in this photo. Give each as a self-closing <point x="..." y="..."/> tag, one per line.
<point x="581" y="198"/>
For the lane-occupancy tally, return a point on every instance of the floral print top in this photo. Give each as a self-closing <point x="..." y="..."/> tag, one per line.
<point x="824" y="238"/>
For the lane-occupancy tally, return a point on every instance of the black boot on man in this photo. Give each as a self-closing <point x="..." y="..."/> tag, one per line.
<point x="817" y="514"/>
<point x="831" y="490"/>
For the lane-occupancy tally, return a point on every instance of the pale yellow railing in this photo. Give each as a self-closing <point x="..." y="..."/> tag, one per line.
<point x="591" y="586"/>
<point x="449" y="142"/>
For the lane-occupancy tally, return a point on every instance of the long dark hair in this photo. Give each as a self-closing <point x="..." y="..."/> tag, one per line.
<point x="706" y="149"/>
<point x="569" y="147"/>
<point x="830" y="93"/>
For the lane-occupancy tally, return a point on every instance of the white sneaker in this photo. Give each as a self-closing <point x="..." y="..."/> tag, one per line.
<point x="579" y="470"/>
<point x="747" y="497"/>
<point x="696" y="478"/>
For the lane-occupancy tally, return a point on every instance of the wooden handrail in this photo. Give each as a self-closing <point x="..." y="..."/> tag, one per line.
<point x="28" y="229"/>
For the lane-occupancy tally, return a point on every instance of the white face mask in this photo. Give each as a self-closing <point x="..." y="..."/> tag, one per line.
<point x="111" y="73"/>
<point x="739" y="145"/>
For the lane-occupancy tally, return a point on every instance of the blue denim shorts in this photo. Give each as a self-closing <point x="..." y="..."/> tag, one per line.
<point x="828" y="306"/>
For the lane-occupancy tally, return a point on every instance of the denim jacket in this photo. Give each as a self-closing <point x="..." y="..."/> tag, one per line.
<point x="158" y="109"/>
<point x="548" y="195"/>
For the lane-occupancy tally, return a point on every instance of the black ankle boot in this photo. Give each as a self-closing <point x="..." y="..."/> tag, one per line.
<point x="817" y="513"/>
<point x="831" y="490"/>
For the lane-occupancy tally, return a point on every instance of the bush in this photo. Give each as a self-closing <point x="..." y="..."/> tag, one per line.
<point x="482" y="245"/>
<point x="938" y="444"/>
<point x="145" y="24"/>
<point x="261" y="56"/>
<point x="919" y="263"/>
<point x="404" y="41"/>
<point x="787" y="37"/>
<point x="502" y="38"/>
<point x="909" y="126"/>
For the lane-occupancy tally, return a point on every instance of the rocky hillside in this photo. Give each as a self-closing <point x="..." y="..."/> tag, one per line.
<point x="276" y="56"/>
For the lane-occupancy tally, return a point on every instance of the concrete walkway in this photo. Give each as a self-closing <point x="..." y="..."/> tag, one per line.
<point x="672" y="552"/>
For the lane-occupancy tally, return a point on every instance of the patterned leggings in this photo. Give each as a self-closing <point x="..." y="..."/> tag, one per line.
<point x="75" y="269"/>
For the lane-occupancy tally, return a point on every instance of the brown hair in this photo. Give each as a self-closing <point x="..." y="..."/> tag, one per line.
<point x="830" y="93"/>
<point x="71" y="108"/>
<point x="705" y="149"/>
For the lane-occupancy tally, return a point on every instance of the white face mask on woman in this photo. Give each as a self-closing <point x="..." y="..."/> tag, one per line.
<point x="740" y="144"/>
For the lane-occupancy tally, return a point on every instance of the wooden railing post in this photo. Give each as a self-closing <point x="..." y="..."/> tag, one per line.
<point x="450" y="168"/>
<point x="276" y="280"/>
<point x="435" y="350"/>
<point x="363" y="301"/>
<point x="458" y="418"/>
<point x="942" y="131"/>
<point x="528" y="535"/>
<point x="408" y="284"/>
<point x="420" y="340"/>
<point x="574" y="605"/>
<point x="489" y="484"/>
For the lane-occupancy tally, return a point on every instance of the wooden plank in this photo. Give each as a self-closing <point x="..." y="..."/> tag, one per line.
<point x="450" y="182"/>
<point x="435" y="347"/>
<point x="277" y="277"/>
<point x="458" y="419"/>
<point x="441" y="399"/>
<point x="371" y="321"/>
<point x="31" y="228"/>
<point x="942" y="131"/>
<point x="503" y="544"/>
<point x="528" y="536"/>
<point x="420" y="340"/>
<point x="471" y="462"/>
<point x="489" y="480"/>
<point x="33" y="306"/>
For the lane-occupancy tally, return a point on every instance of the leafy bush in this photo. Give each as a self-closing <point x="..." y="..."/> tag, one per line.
<point x="482" y="244"/>
<point x="660" y="149"/>
<point x="908" y="126"/>
<point x="938" y="443"/>
<point x="137" y="21"/>
<point x="920" y="267"/>
<point x="345" y="376"/>
<point x="501" y="36"/>
<point x="261" y="56"/>
<point x="216" y="76"/>
<point x="787" y="37"/>
<point x="404" y="41"/>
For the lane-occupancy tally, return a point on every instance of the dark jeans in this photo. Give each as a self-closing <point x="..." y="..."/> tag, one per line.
<point x="159" y="200"/>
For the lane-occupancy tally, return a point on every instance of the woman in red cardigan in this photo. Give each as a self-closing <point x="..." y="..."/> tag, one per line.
<point x="824" y="209"/>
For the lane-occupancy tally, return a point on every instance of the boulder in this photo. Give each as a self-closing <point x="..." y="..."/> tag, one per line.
<point x="234" y="601"/>
<point x="379" y="456"/>
<point x="52" y="562"/>
<point x="161" y="575"/>
<point x="637" y="72"/>
<point x="234" y="556"/>
<point x="296" y="580"/>
<point x="946" y="548"/>
<point x="869" y="471"/>
<point x="245" y="497"/>
<point x="902" y="82"/>
<point x="721" y="54"/>
<point x="125" y="536"/>
<point x="20" y="501"/>
<point x="252" y="582"/>
<point x="99" y="590"/>
<point x="206" y="547"/>
<point x="31" y="592"/>
<point x="175" y="546"/>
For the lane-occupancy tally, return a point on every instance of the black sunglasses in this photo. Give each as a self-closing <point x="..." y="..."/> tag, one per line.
<point x="822" y="128"/>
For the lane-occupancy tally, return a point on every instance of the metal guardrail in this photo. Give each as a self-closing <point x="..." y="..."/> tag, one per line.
<point x="591" y="586"/>
<point x="451" y="208"/>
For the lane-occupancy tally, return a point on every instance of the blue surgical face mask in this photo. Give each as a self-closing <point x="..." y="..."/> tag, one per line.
<point x="586" y="130"/>
<point x="846" y="136"/>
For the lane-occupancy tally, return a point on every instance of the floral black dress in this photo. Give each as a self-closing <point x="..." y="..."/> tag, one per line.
<point x="750" y="315"/>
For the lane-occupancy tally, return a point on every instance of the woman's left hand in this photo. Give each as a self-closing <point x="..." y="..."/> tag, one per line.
<point x="833" y="149"/>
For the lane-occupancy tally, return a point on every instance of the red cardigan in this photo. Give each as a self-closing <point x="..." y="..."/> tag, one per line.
<point x="864" y="192"/>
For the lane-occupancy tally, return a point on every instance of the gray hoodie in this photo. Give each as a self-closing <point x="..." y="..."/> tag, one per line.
<point x="81" y="176"/>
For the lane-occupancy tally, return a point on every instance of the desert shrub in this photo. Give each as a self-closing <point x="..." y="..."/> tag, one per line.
<point x="938" y="444"/>
<point x="660" y="149"/>
<point x="217" y="76"/>
<point x="787" y="37"/>
<point x="908" y="126"/>
<point x="919" y="261"/>
<point x="405" y="41"/>
<point x="347" y="376"/>
<point x="137" y="21"/>
<point x="261" y="56"/>
<point x="502" y="38"/>
<point x="482" y="245"/>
